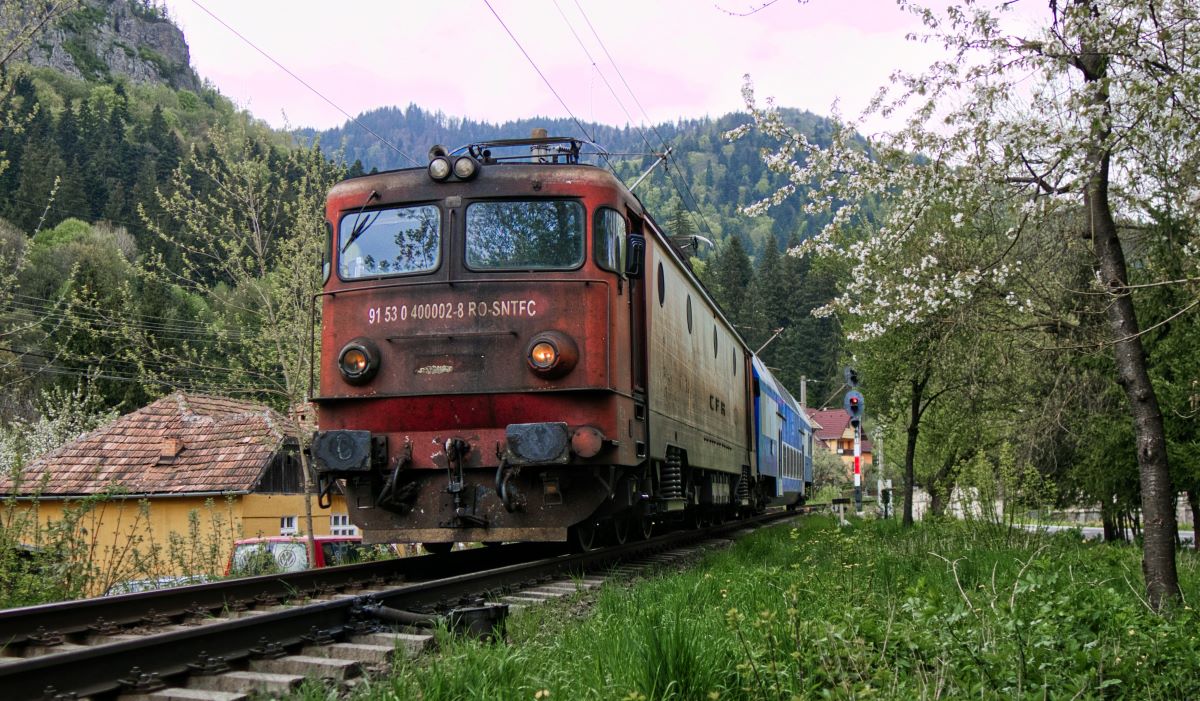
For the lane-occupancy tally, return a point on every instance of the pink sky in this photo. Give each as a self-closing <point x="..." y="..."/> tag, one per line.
<point x="682" y="58"/>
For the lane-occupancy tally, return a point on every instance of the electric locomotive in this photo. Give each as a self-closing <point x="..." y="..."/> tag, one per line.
<point x="511" y="349"/>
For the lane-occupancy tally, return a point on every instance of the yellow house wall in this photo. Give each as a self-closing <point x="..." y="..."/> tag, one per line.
<point x="126" y="539"/>
<point x="261" y="513"/>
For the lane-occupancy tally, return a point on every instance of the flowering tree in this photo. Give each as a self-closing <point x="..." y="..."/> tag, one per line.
<point x="1072" y="126"/>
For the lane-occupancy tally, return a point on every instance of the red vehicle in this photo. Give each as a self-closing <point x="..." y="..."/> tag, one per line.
<point x="290" y="553"/>
<point x="512" y="350"/>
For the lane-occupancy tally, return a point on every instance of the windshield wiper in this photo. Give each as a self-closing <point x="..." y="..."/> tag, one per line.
<point x="362" y="224"/>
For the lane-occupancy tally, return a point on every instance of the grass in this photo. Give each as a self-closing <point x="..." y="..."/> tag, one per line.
<point x="942" y="610"/>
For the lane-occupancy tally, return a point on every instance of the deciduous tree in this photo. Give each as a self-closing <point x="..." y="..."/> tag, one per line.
<point x="1058" y="117"/>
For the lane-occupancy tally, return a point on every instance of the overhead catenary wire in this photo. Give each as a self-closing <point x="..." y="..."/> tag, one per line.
<point x="620" y="103"/>
<point x="316" y="92"/>
<point x="620" y="75"/>
<point x="206" y="387"/>
<point x="151" y="323"/>
<point x="102" y="327"/>
<point x="126" y="371"/>
<point x="546" y="80"/>
<point x="695" y="206"/>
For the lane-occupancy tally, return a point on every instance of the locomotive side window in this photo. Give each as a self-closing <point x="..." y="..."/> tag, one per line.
<point x="608" y="240"/>
<point x="530" y="235"/>
<point x="394" y="241"/>
<point x="662" y="286"/>
<point x="327" y="253"/>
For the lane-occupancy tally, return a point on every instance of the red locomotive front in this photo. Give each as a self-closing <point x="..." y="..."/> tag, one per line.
<point x="479" y="377"/>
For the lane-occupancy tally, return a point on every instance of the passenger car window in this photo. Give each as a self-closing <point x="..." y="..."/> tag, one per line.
<point x="608" y="240"/>
<point x="396" y="241"/>
<point x="528" y="235"/>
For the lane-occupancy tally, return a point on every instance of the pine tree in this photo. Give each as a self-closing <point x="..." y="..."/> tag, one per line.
<point x="730" y="276"/>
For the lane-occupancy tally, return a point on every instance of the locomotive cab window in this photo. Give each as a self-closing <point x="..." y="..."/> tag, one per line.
<point x="525" y="235"/>
<point x="608" y="240"/>
<point x="397" y="241"/>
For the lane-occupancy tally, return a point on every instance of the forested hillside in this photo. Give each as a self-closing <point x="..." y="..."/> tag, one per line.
<point x="122" y="222"/>
<point x="152" y="237"/>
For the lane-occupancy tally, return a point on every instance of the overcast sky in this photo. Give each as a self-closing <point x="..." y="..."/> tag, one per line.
<point x="681" y="58"/>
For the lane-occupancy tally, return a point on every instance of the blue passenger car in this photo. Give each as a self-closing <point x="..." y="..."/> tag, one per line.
<point x="783" y="439"/>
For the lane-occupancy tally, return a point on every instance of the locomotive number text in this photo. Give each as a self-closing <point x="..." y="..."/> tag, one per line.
<point x="452" y="310"/>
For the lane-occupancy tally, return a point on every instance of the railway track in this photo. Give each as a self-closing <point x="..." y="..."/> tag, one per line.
<point x="218" y="641"/>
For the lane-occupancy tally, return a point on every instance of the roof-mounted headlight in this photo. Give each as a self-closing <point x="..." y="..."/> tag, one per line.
<point x="359" y="361"/>
<point x="465" y="167"/>
<point x="439" y="163"/>
<point x="439" y="168"/>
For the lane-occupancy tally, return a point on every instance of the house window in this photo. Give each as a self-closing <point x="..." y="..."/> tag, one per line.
<point x="287" y="525"/>
<point x="339" y="524"/>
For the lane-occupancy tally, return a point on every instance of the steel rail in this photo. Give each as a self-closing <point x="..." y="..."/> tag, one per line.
<point x="99" y="669"/>
<point x="18" y="625"/>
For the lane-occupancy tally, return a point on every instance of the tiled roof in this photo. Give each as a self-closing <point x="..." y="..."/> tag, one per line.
<point x="180" y="444"/>
<point x="833" y="423"/>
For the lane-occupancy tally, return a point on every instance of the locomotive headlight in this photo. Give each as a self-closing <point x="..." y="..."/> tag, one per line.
<point x="552" y="354"/>
<point x="465" y="168"/>
<point x="543" y="355"/>
<point x="359" y="361"/>
<point x="354" y="362"/>
<point x="439" y="168"/>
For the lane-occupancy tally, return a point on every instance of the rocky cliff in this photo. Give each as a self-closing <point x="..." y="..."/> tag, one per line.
<point x="103" y="39"/>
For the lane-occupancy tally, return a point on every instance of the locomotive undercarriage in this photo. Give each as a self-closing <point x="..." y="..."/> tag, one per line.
<point x="581" y="503"/>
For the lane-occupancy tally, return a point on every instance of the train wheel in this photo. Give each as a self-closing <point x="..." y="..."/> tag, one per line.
<point x="621" y="529"/>
<point x="645" y="528"/>
<point x="438" y="548"/>
<point x="582" y="536"/>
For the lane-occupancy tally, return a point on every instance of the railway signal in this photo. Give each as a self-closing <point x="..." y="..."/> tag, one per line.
<point x="853" y="404"/>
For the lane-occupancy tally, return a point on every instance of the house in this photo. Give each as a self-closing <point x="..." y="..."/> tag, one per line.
<point x="172" y="485"/>
<point x="837" y="435"/>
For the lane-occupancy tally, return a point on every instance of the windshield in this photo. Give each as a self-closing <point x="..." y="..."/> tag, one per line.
<point x="389" y="242"/>
<point x="540" y="234"/>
